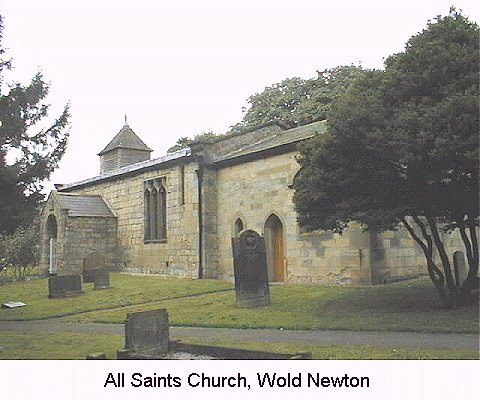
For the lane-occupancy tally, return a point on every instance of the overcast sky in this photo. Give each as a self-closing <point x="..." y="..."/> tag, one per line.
<point x="177" y="68"/>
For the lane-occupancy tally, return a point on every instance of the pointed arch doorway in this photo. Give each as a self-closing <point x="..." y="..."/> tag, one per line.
<point x="275" y="249"/>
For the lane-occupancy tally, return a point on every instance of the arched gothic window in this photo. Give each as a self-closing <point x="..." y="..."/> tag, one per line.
<point x="238" y="227"/>
<point x="155" y="206"/>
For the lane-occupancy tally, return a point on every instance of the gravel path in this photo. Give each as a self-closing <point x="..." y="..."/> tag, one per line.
<point x="387" y="339"/>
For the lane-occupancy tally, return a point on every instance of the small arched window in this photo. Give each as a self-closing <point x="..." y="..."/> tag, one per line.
<point x="238" y="227"/>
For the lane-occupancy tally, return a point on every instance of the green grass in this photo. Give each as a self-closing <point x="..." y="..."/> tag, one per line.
<point x="405" y="306"/>
<point x="75" y="346"/>
<point x="126" y="290"/>
<point x="346" y="352"/>
<point x="57" y="346"/>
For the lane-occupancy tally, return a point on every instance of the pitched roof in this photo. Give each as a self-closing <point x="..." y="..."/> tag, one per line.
<point x="129" y="169"/>
<point x="281" y="138"/>
<point x="84" y="206"/>
<point x="125" y="139"/>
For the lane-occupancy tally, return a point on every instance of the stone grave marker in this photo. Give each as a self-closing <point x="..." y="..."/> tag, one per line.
<point x="101" y="279"/>
<point x="146" y="333"/>
<point x="64" y="285"/>
<point x="250" y="269"/>
<point x="94" y="261"/>
<point x="459" y="268"/>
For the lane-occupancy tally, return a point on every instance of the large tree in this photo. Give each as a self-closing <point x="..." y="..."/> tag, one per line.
<point x="298" y="101"/>
<point x="29" y="152"/>
<point x="293" y="102"/>
<point x="402" y="149"/>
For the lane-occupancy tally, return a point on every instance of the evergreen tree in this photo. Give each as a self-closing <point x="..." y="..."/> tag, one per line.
<point x="402" y="148"/>
<point x="28" y="154"/>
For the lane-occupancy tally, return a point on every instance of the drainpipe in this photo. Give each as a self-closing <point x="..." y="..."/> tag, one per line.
<point x="199" y="172"/>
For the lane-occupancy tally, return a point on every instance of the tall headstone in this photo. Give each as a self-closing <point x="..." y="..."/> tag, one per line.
<point x="64" y="285"/>
<point x="101" y="279"/>
<point x="94" y="261"/>
<point x="250" y="269"/>
<point x="146" y="333"/>
<point x="459" y="268"/>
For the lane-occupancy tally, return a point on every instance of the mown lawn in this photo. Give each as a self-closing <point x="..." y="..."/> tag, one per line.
<point x="75" y="346"/>
<point x="125" y="291"/>
<point x="404" y="306"/>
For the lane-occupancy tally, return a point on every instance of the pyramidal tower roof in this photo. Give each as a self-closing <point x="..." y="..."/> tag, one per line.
<point x="125" y="139"/>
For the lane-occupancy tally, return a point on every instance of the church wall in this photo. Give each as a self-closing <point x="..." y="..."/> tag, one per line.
<point x="253" y="191"/>
<point x="84" y="235"/>
<point x="179" y="254"/>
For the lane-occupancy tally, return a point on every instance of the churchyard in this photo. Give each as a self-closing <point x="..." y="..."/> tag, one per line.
<point x="410" y="306"/>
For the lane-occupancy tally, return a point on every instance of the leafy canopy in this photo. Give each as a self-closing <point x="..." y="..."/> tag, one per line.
<point x="28" y="153"/>
<point x="402" y="141"/>
<point x="403" y="147"/>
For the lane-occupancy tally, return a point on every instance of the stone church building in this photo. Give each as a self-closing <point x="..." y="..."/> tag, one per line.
<point x="176" y="215"/>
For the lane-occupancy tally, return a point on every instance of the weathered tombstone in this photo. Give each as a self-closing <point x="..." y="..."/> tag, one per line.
<point x="64" y="285"/>
<point x="250" y="269"/>
<point x="146" y="333"/>
<point x="459" y="268"/>
<point x="101" y="279"/>
<point x="94" y="261"/>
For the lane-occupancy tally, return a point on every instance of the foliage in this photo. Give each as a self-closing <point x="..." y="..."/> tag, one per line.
<point x="19" y="251"/>
<point x="27" y="158"/>
<point x="292" y="102"/>
<point x="403" y="148"/>
<point x="297" y="101"/>
<point x="185" y="142"/>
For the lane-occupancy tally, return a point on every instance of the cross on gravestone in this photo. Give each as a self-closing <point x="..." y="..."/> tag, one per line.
<point x="64" y="285"/>
<point x="147" y="332"/>
<point x="101" y="279"/>
<point x="250" y="269"/>
<point x="93" y="261"/>
<point x="459" y="268"/>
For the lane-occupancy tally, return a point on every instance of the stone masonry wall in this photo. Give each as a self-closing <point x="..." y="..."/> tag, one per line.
<point x="84" y="235"/>
<point x="253" y="191"/>
<point x="178" y="256"/>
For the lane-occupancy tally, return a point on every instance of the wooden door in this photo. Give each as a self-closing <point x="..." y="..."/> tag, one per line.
<point x="279" y="254"/>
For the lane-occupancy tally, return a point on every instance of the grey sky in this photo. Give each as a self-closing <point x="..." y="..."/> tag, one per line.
<point x="178" y="68"/>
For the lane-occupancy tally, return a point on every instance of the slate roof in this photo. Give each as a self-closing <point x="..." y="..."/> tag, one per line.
<point x="125" y="139"/>
<point x="84" y="206"/>
<point x="277" y="140"/>
<point x="132" y="168"/>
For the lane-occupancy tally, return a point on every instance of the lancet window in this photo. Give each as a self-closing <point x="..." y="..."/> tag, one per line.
<point x="155" y="202"/>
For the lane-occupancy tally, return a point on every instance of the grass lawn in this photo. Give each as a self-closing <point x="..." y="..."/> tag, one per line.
<point x="126" y="290"/>
<point x="404" y="306"/>
<point x="75" y="346"/>
<point x="57" y="346"/>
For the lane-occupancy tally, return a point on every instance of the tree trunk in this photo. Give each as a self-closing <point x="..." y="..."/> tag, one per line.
<point x="454" y="293"/>
<point x="434" y="272"/>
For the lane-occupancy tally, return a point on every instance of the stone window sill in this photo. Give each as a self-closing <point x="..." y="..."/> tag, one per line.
<point x="161" y="241"/>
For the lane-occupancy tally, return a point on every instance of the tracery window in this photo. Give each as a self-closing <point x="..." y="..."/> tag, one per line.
<point x="155" y="215"/>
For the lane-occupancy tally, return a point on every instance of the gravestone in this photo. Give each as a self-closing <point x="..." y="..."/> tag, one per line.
<point x="101" y="279"/>
<point x="250" y="269"/>
<point x="146" y="333"/>
<point x="94" y="261"/>
<point x="64" y="285"/>
<point x="459" y="268"/>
